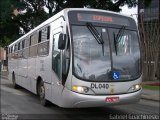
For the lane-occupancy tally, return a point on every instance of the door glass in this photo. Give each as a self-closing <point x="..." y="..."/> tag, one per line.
<point x="56" y="64"/>
<point x="66" y="61"/>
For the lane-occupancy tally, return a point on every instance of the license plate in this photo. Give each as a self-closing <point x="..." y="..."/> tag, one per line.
<point x="112" y="99"/>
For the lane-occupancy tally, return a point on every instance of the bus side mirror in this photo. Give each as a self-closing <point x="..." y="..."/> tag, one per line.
<point x="61" y="41"/>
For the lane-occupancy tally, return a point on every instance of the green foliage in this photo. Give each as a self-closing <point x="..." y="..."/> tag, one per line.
<point x="20" y="16"/>
<point x="9" y="32"/>
<point x="151" y="87"/>
<point x="147" y="3"/>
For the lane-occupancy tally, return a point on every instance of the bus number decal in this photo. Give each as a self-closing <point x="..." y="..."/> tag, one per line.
<point x="99" y="86"/>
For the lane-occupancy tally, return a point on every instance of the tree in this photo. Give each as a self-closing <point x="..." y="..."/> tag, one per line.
<point x="148" y="24"/>
<point x="8" y="29"/>
<point x="20" y="16"/>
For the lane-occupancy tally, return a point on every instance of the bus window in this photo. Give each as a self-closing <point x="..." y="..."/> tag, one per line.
<point x="23" y="44"/>
<point x="34" y="39"/>
<point x="12" y="51"/>
<point x="27" y="43"/>
<point x="39" y="38"/>
<point x="26" y="48"/>
<point x="43" y="47"/>
<point x="44" y="34"/>
<point x="15" y="48"/>
<point x="33" y="45"/>
<point x="15" y="51"/>
<point x="19" y="53"/>
<point x="125" y="53"/>
<point x="19" y="46"/>
<point x="56" y="55"/>
<point x="48" y="32"/>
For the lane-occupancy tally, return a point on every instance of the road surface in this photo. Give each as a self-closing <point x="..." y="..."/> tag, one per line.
<point x="22" y="104"/>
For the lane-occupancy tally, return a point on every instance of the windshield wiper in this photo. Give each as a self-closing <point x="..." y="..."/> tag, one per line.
<point x="96" y="35"/>
<point x="118" y="37"/>
<point x="120" y="33"/>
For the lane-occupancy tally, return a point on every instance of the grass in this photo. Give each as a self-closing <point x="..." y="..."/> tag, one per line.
<point x="151" y="87"/>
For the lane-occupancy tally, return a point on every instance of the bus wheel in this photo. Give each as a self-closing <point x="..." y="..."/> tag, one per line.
<point x="43" y="101"/>
<point x="14" y="81"/>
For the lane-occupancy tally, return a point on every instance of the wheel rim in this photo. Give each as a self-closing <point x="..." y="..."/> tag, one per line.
<point x="42" y="92"/>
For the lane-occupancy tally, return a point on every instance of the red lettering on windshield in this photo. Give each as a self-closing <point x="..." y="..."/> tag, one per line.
<point x="102" y="18"/>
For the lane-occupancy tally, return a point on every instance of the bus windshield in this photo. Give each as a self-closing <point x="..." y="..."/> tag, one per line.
<point x="96" y="62"/>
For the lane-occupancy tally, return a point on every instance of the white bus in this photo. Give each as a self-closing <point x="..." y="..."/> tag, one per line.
<point x="80" y="58"/>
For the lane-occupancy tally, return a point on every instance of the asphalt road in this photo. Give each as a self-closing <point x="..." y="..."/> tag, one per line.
<point x="22" y="104"/>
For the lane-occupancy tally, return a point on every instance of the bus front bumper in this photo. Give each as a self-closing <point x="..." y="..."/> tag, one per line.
<point x="76" y="100"/>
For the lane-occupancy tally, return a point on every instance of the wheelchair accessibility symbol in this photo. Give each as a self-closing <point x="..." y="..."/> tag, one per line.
<point x="116" y="75"/>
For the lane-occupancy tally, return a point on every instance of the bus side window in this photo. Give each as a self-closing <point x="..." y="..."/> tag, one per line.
<point x="23" y="44"/>
<point x="26" y="48"/>
<point x="56" y="64"/>
<point x="19" y="46"/>
<point x="48" y="32"/>
<point x="43" y="46"/>
<point x="20" y="49"/>
<point x="33" y="45"/>
<point x="15" y="51"/>
<point x="39" y="37"/>
<point x="23" y="41"/>
<point x="12" y="51"/>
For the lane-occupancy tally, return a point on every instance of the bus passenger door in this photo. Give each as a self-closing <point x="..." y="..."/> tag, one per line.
<point x="57" y="86"/>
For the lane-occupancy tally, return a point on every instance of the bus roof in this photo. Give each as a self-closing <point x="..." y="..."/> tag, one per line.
<point x="62" y="13"/>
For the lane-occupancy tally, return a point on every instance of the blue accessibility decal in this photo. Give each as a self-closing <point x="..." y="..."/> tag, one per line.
<point x="115" y="75"/>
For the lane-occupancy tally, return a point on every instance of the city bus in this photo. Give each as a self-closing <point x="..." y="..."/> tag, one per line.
<point x="80" y="58"/>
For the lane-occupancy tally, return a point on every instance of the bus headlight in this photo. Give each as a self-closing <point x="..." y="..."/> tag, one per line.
<point x="80" y="89"/>
<point x="135" y="88"/>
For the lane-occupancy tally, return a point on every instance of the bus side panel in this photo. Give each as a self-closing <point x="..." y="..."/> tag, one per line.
<point x="24" y="74"/>
<point x="31" y="73"/>
<point x="19" y="73"/>
<point x="43" y="68"/>
<point x="16" y="71"/>
<point x="47" y="77"/>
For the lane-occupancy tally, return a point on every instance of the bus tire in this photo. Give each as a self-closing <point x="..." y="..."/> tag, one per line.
<point x="14" y="81"/>
<point x="43" y="101"/>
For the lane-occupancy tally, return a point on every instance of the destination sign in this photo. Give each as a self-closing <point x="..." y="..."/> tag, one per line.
<point x="83" y="17"/>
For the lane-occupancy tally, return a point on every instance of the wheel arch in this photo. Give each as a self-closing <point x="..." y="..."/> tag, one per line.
<point x="39" y="79"/>
<point x="13" y="73"/>
<point x="12" y="76"/>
